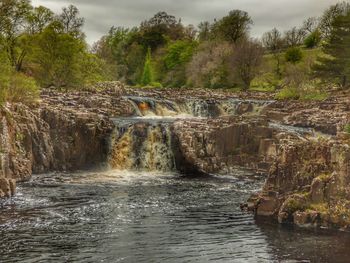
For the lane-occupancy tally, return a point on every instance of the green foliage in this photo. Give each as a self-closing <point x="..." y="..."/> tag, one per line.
<point x="287" y="93"/>
<point x="15" y="87"/>
<point x="22" y="89"/>
<point x="294" y="55"/>
<point x="335" y="66"/>
<point x="265" y="83"/>
<point x="147" y="76"/>
<point x="313" y="40"/>
<point x="179" y="53"/>
<point x="156" y="85"/>
<point x="347" y="128"/>
<point x="58" y="56"/>
<point x="233" y="27"/>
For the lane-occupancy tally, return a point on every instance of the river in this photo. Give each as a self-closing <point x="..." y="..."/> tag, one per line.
<point x="124" y="216"/>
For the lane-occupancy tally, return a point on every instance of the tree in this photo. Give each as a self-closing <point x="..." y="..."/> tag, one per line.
<point x="209" y="66"/>
<point x="147" y="76"/>
<point x="273" y="42"/>
<point x="330" y="15"/>
<point x="234" y="26"/>
<point x="156" y="31"/>
<point x="176" y="56"/>
<point x="71" y="22"/>
<point x="204" y="31"/>
<point x="38" y="19"/>
<point x="335" y="66"/>
<point x="247" y="58"/>
<point x="294" y="37"/>
<point x="178" y="53"/>
<point x="13" y="21"/>
<point x="58" y="56"/>
<point x="310" y="25"/>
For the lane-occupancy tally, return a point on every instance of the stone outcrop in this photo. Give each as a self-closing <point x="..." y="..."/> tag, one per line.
<point x="308" y="184"/>
<point x="216" y="145"/>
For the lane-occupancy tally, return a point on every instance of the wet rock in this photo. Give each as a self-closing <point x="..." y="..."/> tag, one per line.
<point x="267" y="206"/>
<point x="5" y="187"/>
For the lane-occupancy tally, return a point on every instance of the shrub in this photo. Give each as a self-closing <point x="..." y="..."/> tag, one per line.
<point x="156" y="85"/>
<point x="347" y="128"/>
<point x="313" y="39"/>
<point x="22" y="89"/>
<point x="294" y="55"/>
<point x="287" y="93"/>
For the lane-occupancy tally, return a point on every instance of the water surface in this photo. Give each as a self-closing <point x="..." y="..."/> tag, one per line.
<point x="150" y="217"/>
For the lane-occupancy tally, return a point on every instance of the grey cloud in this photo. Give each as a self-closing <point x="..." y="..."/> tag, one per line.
<point x="102" y="14"/>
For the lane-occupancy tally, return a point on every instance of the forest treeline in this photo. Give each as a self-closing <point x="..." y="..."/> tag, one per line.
<point x="40" y="49"/>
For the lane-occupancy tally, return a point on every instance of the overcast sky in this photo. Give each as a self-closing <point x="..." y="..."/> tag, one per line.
<point x="100" y="15"/>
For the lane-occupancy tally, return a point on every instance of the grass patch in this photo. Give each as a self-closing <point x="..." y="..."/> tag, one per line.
<point x="347" y="128"/>
<point x="287" y="94"/>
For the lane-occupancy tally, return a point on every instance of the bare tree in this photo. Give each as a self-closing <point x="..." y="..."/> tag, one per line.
<point x="310" y="25"/>
<point x="273" y="42"/>
<point x="246" y="60"/>
<point x="294" y="36"/>
<point x="72" y="23"/>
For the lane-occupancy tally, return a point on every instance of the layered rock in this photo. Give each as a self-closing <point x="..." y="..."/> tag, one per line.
<point x="308" y="184"/>
<point x="216" y="145"/>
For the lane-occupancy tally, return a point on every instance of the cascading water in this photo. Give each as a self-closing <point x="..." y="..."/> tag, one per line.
<point x="144" y="142"/>
<point x="141" y="145"/>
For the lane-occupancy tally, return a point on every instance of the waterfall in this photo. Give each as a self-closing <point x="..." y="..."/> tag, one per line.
<point x="141" y="145"/>
<point x="144" y="142"/>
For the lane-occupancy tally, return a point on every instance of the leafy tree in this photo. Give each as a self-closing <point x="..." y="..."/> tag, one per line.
<point x="179" y="53"/>
<point x="13" y="21"/>
<point x="247" y="58"/>
<point x="294" y="55"/>
<point x="175" y="58"/>
<point x="335" y="66"/>
<point x="57" y="56"/>
<point x="234" y="26"/>
<point x="38" y="19"/>
<point x="147" y="76"/>
<point x="155" y="32"/>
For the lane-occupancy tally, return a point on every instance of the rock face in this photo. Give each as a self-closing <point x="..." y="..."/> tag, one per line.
<point x="308" y="184"/>
<point x="216" y="145"/>
<point x="64" y="132"/>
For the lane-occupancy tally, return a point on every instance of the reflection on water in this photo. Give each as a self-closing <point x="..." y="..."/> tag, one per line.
<point x="142" y="217"/>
